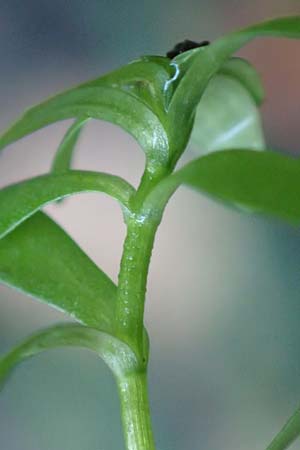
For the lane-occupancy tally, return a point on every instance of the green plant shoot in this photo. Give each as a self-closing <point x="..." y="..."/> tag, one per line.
<point x="205" y="96"/>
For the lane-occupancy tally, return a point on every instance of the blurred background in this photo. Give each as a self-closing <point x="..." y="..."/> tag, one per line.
<point x="223" y="307"/>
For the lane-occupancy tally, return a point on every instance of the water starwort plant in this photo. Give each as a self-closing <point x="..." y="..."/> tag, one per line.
<point x="203" y="94"/>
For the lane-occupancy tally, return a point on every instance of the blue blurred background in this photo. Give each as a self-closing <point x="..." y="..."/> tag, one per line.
<point x="223" y="307"/>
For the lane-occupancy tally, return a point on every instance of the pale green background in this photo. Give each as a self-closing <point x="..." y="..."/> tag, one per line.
<point x="223" y="304"/>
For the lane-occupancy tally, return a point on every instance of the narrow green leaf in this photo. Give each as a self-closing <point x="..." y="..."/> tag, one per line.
<point x="226" y="117"/>
<point x="289" y="433"/>
<point x="131" y="97"/>
<point x="21" y="200"/>
<point x="41" y="260"/>
<point x="288" y="26"/>
<point x="116" y="354"/>
<point x="64" y="155"/>
<point x="206" y="62"/>
<point x="258" y="182"/>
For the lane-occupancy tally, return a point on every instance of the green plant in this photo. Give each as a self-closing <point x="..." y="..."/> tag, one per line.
<point x="162" y="102"/>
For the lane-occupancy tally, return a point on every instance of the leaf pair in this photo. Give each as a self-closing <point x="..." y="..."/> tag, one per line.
<point x="136" y="97"/>
<point x="227" y="116"/>
<point x="153" y="98"/>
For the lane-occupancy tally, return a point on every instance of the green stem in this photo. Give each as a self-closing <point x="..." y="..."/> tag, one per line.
<point x="135" y="411"/>
<point x="129" y="316"/>
<point x="141" y="229"/>
<point x="132" y="281"/>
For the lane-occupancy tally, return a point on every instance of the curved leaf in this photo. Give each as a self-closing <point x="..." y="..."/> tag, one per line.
<point x="21" y="200"/>
<point x="289" y="433"/>
<point x="145" y="79"/>
<point x="64" y="155"/>
<point x="131" y="97"/>
<point x="226" y="117"/>
<point x="41" y="260"/>
<point x="241" y="70"/>
<point x="235" y="67"/>
<point x="152" y="98"/>
<point x="206" y="62"/>
<point x="260" y="182"/>
<point x="116" y="354"/>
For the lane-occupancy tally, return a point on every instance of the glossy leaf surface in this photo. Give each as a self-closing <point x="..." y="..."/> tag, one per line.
<point x="131" y="97"/>
<point x="65" y="152"/>
<point x="41" y="260"/>
<point x="145" y="79"/>
<point x="235" y="67"/>
<point x="258" y="182"/>
<point x="226" y="117"/>
<point x="19" y="201"/>
<point x="153" y="98"/>
<point x="117" y="355"/>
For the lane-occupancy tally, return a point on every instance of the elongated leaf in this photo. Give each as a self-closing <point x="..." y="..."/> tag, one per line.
<point x="289" y="433"/>
<point x="116" y="354"/>
<point x="260" y="182"/>
<point x="226" y="117"/>
<point x="40" y="259"/>
<point x="19" y="201"/>
<point x="206" y="64"/>
<point x="131" y="97"/>
<point x="64" y="154"/>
